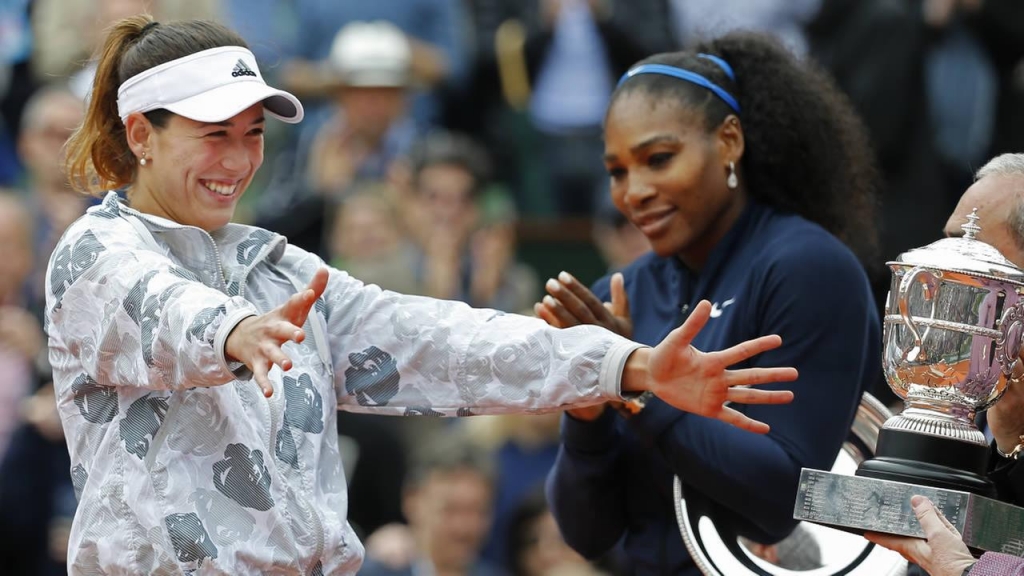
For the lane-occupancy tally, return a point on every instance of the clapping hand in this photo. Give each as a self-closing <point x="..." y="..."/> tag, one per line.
<point x="570" y="303"/>
<point x="257" y="340"/>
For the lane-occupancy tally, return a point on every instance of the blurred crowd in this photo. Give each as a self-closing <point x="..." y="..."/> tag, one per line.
<point x="452" y="148"/>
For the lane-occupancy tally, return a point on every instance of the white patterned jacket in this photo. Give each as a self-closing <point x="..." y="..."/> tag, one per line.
<point x="179" y="462"/>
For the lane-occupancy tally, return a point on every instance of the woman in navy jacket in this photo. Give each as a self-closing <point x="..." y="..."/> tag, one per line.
<point x="753" y="180"/>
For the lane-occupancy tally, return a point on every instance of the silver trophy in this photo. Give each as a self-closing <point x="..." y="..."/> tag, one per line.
<point x="953" y="328"/>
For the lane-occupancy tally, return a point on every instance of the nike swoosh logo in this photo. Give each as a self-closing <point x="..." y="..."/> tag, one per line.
<point x="716" y="311"/>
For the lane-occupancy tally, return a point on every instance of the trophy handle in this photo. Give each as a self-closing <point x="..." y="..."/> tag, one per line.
<point x="930" y="285"/>
<point x="1011" y="329"/>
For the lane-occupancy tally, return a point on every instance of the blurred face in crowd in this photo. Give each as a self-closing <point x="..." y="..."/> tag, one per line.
<point x="48" y="124"/>
<point x="16" y="239"/>
<point x="668" y="174"/>
<point x="545" y="550"/>
<point x="997" y="197"/>
<point x="365" y="229"/>
<point x="446" y="194"/>
<point x="450" y="513"/>
<point x="371" y="111"/>
<point x="196" y="171"/>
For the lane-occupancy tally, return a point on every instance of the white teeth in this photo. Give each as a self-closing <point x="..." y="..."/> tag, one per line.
<point x="222" y="189"/>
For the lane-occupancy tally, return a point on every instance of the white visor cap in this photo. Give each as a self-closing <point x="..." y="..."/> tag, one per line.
<point x="208" y="86"/>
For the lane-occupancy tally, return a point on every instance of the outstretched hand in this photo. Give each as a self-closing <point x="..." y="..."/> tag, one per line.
<point x="699" y="382"/>
<point x="257" y="340"/>
<point x="942" y="552"/>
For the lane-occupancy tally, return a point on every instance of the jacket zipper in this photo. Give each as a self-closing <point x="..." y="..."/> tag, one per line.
<point x="273" y="412"/>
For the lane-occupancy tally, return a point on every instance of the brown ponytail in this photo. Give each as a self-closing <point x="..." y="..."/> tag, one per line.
<point x="98" y="157"/>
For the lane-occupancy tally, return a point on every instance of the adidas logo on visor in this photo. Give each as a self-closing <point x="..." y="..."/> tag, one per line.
<point x="242" y="70"/>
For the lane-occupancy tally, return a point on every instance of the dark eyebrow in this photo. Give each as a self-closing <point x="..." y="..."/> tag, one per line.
<point x="657" y="139"/>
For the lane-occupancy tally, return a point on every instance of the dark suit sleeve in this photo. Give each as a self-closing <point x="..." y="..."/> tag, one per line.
<point x="1008" y="476"/>
<point x="586" y="488"/>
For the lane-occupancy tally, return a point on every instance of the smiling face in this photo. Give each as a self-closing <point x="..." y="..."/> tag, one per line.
<point x="668" y="174"/>
<point x="196" y="171"/>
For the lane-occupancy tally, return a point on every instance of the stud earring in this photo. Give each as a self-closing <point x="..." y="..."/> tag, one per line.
<point x="142" y="160"/>
<point x="732" y="181"/>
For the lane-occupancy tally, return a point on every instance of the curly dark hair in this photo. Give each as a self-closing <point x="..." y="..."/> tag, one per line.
<point x="806" y="150"/>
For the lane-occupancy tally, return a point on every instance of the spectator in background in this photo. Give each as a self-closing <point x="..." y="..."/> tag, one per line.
<point x="551" y="65"/>
<point x="51" y="115"/>
<point x="524" y="449"/>
<point x="368" y="240"/>
<point x="875" y="50"/>
<point x="21" y="336"/>
<point x="695" y="20"/>
<point x="35" y="489"/>
<point x="356" y="141"/>
<point x="498" y="280"/>
<point x="447" y="501"/>
<point x="464" y="229"/>
<point x="616" y="238"/>
<point x="537" y="547"/>
<point x="369" y="127"/>
<point x="437" y="44"/>
<point x="999" y="26"/>
<point x="16" y="81"/>
<point x="68" y="32"/>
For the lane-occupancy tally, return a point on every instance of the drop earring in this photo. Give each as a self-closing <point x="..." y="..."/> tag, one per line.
<point x="142" y="160"/>
<point x="732" y="181"/>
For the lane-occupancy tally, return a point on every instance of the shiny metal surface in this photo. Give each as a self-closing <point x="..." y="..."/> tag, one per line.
<point x="951" y="333"/>
<point x="863" y="504"/>
<point x="718" y="551"/>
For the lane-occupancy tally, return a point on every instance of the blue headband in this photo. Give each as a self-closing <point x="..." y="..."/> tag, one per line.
<point x="691" y="77"/>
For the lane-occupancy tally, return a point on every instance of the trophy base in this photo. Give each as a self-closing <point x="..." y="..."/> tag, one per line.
<point x="858" y="504"/>
<point x="914" y="458"/>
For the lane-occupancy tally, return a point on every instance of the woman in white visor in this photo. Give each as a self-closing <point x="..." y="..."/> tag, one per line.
<point x="198" y="363"/>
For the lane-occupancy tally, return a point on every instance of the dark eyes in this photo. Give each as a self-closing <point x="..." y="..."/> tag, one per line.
<point x="659" y="159"/>
<point x="616" y="173"/>
<point x="224" y="133"/>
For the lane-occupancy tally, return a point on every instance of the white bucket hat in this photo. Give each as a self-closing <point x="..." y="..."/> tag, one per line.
<point x="208" y="86"/>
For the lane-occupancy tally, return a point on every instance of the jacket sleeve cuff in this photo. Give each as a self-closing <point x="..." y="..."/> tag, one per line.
<point x="610" y="378"/>
<point x="591" y="437"/>
<point x="239" y="370"/>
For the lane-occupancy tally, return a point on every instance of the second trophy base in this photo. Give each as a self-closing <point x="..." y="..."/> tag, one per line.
<point x="913" y="458"/>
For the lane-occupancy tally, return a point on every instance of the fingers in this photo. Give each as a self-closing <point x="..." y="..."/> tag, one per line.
<point x="907" y="547"/>
<point x="747" y="350"/>
<point x="742" y="421"/>
<point x="574" y="299"/>
<point x="928" y="516"/>
<point x="682" y="336"/>
<point x="752" y="396"/>
<point x="319" y="282"/>
<point x="620" y="301"/>
<point x="277" y="356"/>
<point x="556" y="315"/>
<point x="260" y="374"/>
<point x="546" y="314"/>
<point x="756" y="376"/>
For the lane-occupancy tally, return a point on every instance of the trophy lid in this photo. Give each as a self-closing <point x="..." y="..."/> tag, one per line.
<point x="964" y="254"/>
